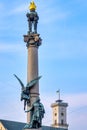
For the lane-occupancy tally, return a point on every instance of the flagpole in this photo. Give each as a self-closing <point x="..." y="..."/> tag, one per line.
<point x="58" y="94"/>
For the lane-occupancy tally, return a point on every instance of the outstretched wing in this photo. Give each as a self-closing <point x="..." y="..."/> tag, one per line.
<point x="22" y="85"/>
<point x="33" y="82"/>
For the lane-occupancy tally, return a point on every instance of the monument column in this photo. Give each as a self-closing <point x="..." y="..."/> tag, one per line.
<point x="30" y="92"/>
<point x="33" y="41"/>
<point x="32" y="67"/>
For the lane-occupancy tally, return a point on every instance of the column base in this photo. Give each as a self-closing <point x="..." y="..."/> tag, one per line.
<point x="33" y="129"/>
<point x="26" y="127"/>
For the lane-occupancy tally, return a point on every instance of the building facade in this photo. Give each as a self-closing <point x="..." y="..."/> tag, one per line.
<point x="59" y="112"/>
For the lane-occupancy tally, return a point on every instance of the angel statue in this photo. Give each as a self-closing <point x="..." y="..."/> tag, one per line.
<point x="25" y="91"/>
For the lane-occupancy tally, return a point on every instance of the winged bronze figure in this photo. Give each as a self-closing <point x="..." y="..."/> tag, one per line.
<point x="25" y="91"/>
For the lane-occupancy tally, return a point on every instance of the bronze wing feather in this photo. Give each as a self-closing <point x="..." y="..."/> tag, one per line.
<point x="33" y="82"/>
<point x="22" y="85"/>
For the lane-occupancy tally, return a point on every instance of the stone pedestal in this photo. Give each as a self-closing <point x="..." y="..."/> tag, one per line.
<point x="34" y="129"/>
<point x="33" y="42"/>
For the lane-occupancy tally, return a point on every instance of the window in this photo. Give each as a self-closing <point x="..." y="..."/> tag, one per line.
<point x="62" y="122"/>
<point x="55" y="122"/>
<point x="62" y="114"/>
<point x="55" y="114"/>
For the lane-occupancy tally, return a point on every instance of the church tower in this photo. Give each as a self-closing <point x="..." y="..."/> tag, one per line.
<point x="59" y="113"/>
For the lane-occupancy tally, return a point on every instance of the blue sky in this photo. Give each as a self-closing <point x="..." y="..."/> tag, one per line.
<point x="62" y="57"/>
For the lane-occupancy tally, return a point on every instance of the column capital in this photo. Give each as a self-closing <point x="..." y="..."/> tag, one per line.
<point x="32" y="40"/>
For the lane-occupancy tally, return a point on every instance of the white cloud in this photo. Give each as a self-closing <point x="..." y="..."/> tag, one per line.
<point x="11" y="47"/>
<point x="62" y="50"/>
<point x="1" y="10"/>
<point x="13" y="110"/>
<point x="47" y="15"/>
<point x="65" y="50"/>
<point x="77" y="112"/>
<point x="76" y="100"/>
<point x="52" y="14"/>
<point x="81" y="2"/>
<point x="1" y="5"/>
<point x="76" y="103"/>
<point x="19" y="9"/>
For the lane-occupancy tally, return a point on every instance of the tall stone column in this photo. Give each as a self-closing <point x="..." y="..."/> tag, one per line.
<point x="35" y="109"/>
<point x="30" y="92"/>
<point x="33" y="42"/>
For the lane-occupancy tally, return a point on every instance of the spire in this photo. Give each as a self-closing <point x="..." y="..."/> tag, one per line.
<point x="32" y="6"/>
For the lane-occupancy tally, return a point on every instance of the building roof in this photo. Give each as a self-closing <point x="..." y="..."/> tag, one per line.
<point x="51" y="128"/>
<point x="59" y="103"/>
<point x="14" y="125"/>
